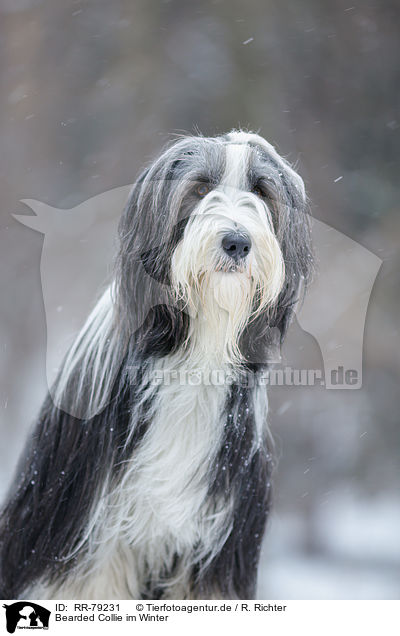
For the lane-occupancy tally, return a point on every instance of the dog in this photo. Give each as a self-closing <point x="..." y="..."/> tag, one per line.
<point x="148" y="474"/>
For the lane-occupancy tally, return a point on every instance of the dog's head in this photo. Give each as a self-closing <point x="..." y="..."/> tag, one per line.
<point x="214" y="244"/>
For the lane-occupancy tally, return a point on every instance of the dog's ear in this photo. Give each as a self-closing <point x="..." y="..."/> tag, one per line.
<point x="149" y="230"/>
<point x="263" y="337"/>
<point x="294" y="235"/>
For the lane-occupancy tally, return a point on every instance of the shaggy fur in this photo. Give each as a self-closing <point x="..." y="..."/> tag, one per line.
<point x="148" y="475"/>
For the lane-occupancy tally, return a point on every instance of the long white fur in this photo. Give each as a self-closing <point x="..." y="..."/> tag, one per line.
<point x="222" y="302"/>
<point x="149" y="514"/>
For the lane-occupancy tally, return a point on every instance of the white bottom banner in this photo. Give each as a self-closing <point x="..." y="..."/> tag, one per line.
<point x="177" y="617"/>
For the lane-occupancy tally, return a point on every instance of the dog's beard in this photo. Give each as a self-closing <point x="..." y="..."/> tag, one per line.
<point x="220" y="295"/>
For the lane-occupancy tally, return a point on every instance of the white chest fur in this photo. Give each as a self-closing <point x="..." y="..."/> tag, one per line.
<point x="159" y="508"/>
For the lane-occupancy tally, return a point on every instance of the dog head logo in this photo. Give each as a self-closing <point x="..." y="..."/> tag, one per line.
<point x="78" y="248"/>
<point x="26" y="615"/>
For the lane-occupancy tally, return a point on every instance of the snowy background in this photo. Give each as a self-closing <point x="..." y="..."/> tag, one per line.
<point x="90" y="90"/>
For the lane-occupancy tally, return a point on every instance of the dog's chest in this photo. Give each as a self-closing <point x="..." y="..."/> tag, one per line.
<point x="169" y="477"/>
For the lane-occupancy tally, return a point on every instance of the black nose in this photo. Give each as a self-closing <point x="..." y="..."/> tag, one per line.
<point x="236" y="245"/>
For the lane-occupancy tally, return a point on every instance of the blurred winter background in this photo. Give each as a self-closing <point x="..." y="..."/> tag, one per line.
<point x="90" y="90"/>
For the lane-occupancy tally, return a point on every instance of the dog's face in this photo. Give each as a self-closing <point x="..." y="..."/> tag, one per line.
<point x="219" y="225"/>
